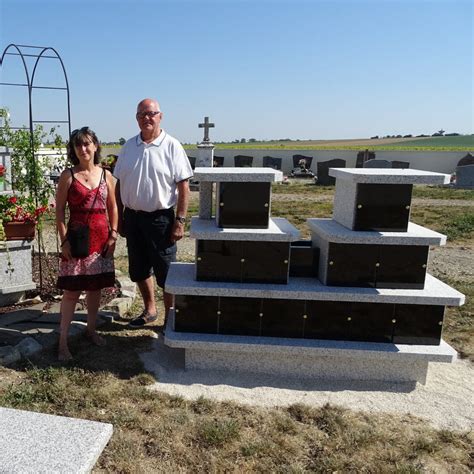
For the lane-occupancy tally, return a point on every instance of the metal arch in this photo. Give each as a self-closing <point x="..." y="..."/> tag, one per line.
<point x="30" y="86"/>
<point x="40" y="56"/>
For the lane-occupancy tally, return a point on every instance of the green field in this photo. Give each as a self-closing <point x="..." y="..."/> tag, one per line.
<point x="459" y="143"/>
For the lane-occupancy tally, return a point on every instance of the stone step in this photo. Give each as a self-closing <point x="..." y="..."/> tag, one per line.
<point x="36" y="442"/>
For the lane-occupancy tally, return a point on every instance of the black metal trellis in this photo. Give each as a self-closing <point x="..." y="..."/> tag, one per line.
<point x="30" y="85"/>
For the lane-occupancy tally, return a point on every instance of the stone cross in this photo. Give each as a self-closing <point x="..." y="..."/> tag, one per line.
<point x="206" y="125"/>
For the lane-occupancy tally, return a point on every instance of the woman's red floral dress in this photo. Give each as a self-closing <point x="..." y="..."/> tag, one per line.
<point x="93" y="272"/>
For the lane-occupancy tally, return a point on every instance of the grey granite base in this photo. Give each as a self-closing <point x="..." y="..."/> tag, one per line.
<point x="332" y="360"/>
<point x="279" y="230"/>
<point x="205" y="200"/>
<point x="180" y="281"/>
<point x="36" y="442"/>
<point x="246" y="175"/>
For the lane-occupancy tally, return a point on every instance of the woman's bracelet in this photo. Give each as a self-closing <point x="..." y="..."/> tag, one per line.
<point x="64" y="241"/>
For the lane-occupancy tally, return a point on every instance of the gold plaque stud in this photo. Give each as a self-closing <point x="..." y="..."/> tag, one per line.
<point x="407" y="207"/>
<point x="242" y="260"/>
<point x="305" y="316"/>
<point x="266" y="204"/>
<point x="377" y="264"/>
<point x="285" y="261"/>
<point x="218" y="312"/>
<point x="440" y="323"/>
<point x="349" y="318"/>
<point x="394" y="321"/>
<point x="359" y="206"/>
<point x="424" y="265"/>
<point x="176" y="310"/>
<point x="199" y="259"/>
<point x="261" y="315"/>
<point x="221" y="204"/>
<point x="331" y="263"/>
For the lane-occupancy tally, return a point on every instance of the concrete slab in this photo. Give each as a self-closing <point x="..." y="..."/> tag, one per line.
<point x="36" y="442"/>
<point x="388" y="176"/>
<point x="247" y="175"/>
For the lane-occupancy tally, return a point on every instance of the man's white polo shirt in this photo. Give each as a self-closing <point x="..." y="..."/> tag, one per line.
<point x="148" y="172"/>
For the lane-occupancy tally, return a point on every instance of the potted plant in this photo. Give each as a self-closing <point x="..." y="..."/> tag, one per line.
<point x="20" y="215"/>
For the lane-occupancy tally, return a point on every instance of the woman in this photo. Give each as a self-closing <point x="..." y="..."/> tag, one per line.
<point x="89" y="192"/>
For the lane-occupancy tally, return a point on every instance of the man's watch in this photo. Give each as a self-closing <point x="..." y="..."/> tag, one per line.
<point x="181" y="220"/>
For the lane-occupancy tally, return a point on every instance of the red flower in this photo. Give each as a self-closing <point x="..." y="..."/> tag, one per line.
<point x="13" y="199"/>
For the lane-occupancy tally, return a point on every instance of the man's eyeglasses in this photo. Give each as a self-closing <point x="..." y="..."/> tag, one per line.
<point x="151" y="114"/>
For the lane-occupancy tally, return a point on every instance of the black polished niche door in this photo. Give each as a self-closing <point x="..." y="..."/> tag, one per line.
<point x="382" y="207"/>
<point x="219" y="260"/>
<point x="402" y="266"/>
<point x="346" y="321"/>
<point x="283" y="318"/>
<point x="242" y="261"/>
<point x="240" y="316"/>
<point x="418" y="324"/>
<point x="265" y="262"/>
<point x="379" y="266"/>
<point x="244" y="205"/>
<point x="196" y="314"/>
<point x="351" y="265"/>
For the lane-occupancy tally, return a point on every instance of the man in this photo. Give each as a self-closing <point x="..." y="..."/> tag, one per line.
<point x="152" y="172"/>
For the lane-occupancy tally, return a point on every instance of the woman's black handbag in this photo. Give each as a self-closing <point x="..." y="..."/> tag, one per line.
<point x="78" y="237"/>
<point x="78" y="234"/>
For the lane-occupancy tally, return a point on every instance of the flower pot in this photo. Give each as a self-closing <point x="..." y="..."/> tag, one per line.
<point x="19" y="230"/>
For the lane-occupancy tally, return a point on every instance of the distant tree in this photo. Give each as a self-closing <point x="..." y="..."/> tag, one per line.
<point x="407" y="136"/>
<point x="252" y="140"/>
<point x="374" y="137"/>
<point x="453" y="134"/>
<point x="242" y="140"/>
<point x="398" y="136"/>
<point x="122" y="141"/>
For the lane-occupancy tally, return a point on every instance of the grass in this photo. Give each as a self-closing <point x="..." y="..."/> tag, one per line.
<point x="162" y="433"/>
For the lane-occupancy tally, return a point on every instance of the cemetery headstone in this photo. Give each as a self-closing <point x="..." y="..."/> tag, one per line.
<point x="218" y="161"/>
<point x="400" y="164"/>
<point x="363" y="156"/>
<point x="205" y="153"/>
<point x="465" y="176"/>
<point x="302" y="161"/>
<point x="243" y="161"/>
<point x="323" y="178"/>
<point x="466" y="160"/>
<point x="271" y="162"/>
<point x="377" y="164"/>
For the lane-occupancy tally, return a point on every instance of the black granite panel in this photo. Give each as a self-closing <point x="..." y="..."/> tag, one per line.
<point x="219" y="260"/>
<point x="240" y="316"/>
<point x="304" y="259"/>
<point x="283" y="318"/>
<point x="244" y="205"/>
<point x="382" y="207"/>
<point x="372" y="322"/>
<point x="328" y="320"/>
<point x="196" y="314"/>
<point x="418" y="324"/>
<point x="402" y="266"/>
<point x="265" y="262"/>
<point x="351" y="265"/>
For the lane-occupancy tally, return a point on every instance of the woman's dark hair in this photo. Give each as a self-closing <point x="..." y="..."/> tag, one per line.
<point x="78" y="137"/>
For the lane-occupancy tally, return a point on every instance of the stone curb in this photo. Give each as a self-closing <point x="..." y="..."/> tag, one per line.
<point x="29" y="346"/>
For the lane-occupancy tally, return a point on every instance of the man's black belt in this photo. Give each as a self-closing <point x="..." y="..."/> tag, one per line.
<point x="158" y="212"/>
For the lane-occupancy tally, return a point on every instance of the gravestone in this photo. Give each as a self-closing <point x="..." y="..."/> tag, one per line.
<point x="381" y="319"/>
<point x="192" y="161"/>
<point x="377" y="164"/>
<point x="205" y="153"/>
<point x="363" y="156"/>
<point x="218" y="161"/>
<point x="242" y="161"/>
<point x="465" y="176"/>
<point x="400" y="164"/>
<point x="323" y="178"/>
<point x="466" y="160"/>
<point x="300" y="161"/>
<point x="270" y="162"/>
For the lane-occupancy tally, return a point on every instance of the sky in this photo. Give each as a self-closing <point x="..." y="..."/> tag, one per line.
<point x="263" y="69"/>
